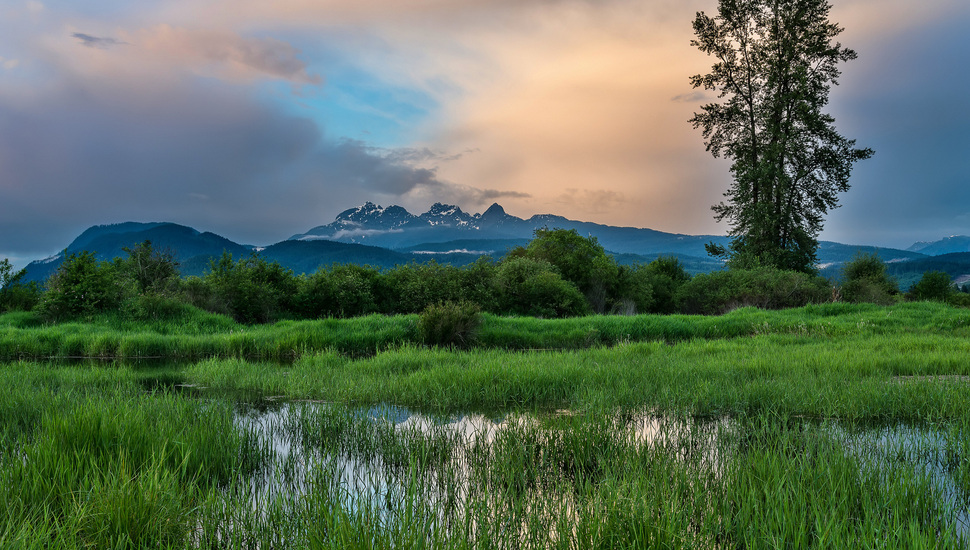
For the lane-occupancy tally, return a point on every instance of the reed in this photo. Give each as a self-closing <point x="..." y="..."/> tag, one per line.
<point x="88" y="459"/>
<point x="197" y="334"/>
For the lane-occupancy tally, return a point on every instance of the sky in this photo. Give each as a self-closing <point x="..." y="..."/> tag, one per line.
<point x="258" y="120"/>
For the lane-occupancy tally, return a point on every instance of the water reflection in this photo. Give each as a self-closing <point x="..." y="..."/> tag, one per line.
<point x="372" y="460"/>
<point x="923" y="450"/>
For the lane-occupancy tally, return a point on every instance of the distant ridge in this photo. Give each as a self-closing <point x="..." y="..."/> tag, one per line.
<point x="395" y="227"/>
<point x="109" y="241"/>
<point x="383" y="237"/>
<point x="948" y="245"/>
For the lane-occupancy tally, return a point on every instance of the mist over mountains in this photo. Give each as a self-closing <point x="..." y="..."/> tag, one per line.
<point x="387" y="236"/>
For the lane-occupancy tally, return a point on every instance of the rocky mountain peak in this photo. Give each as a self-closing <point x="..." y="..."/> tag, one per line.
<point x="447" y="215"/>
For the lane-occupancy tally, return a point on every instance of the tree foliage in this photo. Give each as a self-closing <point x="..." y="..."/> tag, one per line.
<point x="81" y="286"/>
<point x="579" y="260"/>
<point x="776" y="62"/>
<point x="934" y="285"/>
<point x="251" y="289"/>
<point x="149" y="270"/>
<point x="864" y="279"/>
<point x="15" y="294"/>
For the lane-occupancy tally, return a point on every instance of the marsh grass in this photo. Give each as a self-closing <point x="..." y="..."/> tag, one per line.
<point x="589" y="480"/>
<point x="867" y="377"/>
<point x="89" y="460"/>
<point x="833" y="426"/>
<point x="197" y="334"/>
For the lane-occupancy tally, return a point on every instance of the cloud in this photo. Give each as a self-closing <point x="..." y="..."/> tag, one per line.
<point x="165" y="52"/>
<point x="224" y="53"/>
<point x="583" y="101"/>
<point x="96" y="41"/>
<point x="86" y="153"/>
<point x="601" y="201"/>
<point x="692" y="97"/>
<point x="237" y="57"/>
<point x="567" y="106"/>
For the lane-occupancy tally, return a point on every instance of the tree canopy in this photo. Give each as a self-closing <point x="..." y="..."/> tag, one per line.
<point x="776" y="63"/>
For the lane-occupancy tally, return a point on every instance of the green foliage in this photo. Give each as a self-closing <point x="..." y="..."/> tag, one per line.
<point x="412" y="288"/>
<point x="525" y="286"/>
<point x="478" y="283"/>
<point x="775" y="64"/>
<point x="864" y="279"/>
<point x="150" y="271"/>
<point x="579" y="260"/>
<point x="765" y="288"/>
<point x="103" y="464"/>
<point x="251" y="289"/>
<point x="935" y="285"/>
<point x="81" y="286"/>
<point x="15" y="295"/>
<point x="666" y="275"/>
<point x="449" y="324"/>
<point x="635" y="290"/>
<point x="349" y="291"/>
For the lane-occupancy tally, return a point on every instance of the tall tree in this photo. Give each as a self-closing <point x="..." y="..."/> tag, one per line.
<point x="776" y="62"/>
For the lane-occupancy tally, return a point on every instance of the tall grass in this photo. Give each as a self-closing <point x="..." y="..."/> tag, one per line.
<point x="197" y="334"/>
<point x="874" y="377"/>
<point x="591" y="480"/>
<point x="87" y="459"/>
<point x="738" y="431"/>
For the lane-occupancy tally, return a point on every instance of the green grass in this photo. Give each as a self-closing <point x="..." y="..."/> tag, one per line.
<point x="757" y="416"/>
<point x="863" y="377"/>
<point x="198" y="335"/>
<point x="89" y="459"/>
<point x="585" y="481"/>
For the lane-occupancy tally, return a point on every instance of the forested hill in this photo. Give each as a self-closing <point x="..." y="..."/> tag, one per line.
<point x="385" y="237"/>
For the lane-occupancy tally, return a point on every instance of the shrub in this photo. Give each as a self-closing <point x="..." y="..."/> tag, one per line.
<point x="934" y="285"/>
<point x="413" y="287"/>
<point x="635" y="290"/>
<point x="579" y="260"/>
<point x="666" y="275"/>
<point x="148" y="270"/>
<point x="345" y="290"/>
<point x="477" y="282"/>
<point x="449" y="324"/>
<point x="82" y="285"/>
<point x="763" y="287"/>
<point x="198" y="292"/>
<point x="864" y="279"/>
<point x="153" y="307"/>
<point x="532" y="287"/>
<point x="252" y="290"/>
<point x="15" y="295"/>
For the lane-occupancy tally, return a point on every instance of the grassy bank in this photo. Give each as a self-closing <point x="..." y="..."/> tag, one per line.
<point x="857" y="377"/>
<point x="93" y="461"/>
<point x="196" y="334"/>
<point x="822" y="427"/>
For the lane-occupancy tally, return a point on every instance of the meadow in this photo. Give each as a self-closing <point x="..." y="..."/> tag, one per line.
<point x="826" y="426"/>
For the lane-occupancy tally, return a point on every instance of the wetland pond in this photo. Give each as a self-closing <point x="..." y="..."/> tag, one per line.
<point x="391" y="476"/>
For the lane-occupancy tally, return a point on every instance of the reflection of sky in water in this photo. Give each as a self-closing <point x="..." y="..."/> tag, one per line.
<point x="710" y="443"/>
<point x="923" y="449"/>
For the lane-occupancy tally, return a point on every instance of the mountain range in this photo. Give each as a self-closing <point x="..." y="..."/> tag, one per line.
<point x="387" y="236"/>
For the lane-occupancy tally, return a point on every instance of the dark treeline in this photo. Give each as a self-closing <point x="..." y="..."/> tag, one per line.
<point x="558" y="274"/>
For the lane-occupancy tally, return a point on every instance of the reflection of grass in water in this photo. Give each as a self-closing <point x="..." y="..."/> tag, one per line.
<point x="106" y="459"/>
<point x="855" y="378"/>
<point x="594" y="480"/>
